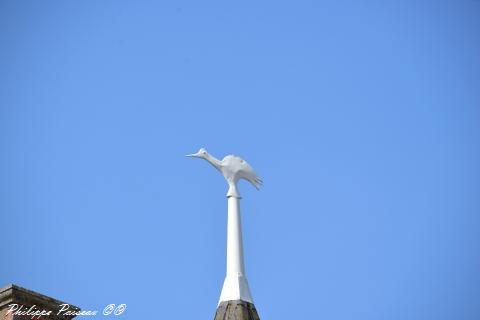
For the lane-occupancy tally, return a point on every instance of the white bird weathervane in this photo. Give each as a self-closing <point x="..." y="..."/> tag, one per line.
<point x="235" y="300"/>
<point x="233" y="169"/>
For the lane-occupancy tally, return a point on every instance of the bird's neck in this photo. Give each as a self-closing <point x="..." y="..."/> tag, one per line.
<point x="213" y="161"/>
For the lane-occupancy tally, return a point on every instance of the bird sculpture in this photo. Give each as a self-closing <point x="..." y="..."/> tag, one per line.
<point x="233" y="169"/>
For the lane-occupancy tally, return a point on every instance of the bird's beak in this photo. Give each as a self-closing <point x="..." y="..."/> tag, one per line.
<point x="192" y="155"/>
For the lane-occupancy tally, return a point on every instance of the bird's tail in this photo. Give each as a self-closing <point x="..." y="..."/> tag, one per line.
<point x="257" y="182"/>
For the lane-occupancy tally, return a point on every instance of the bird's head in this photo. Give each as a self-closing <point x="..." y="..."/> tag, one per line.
<point x="202" y="153"/>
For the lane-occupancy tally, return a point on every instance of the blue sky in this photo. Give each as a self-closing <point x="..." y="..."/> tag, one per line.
<point x="362" y="118"/>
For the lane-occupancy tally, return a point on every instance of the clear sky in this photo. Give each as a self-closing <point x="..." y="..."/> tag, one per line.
<point x="362" y="118"/>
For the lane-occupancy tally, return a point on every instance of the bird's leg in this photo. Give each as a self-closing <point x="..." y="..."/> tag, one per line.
<point x="233" y="190"/>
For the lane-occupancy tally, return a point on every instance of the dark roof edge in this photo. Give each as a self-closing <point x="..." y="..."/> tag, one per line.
<point x="16" y="294"/>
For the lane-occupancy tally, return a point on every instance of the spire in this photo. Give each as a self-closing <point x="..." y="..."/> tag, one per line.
<point x="235" y="286"/>
<point x="236" y="301"/>
<point x="236" y="310"/>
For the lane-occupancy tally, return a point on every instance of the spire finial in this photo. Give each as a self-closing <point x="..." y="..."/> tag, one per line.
<point x="235" y="294"/>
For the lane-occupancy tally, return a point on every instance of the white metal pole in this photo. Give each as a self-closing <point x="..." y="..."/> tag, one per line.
<point x="235" y="286"/>
<point x="235" y="264"/>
